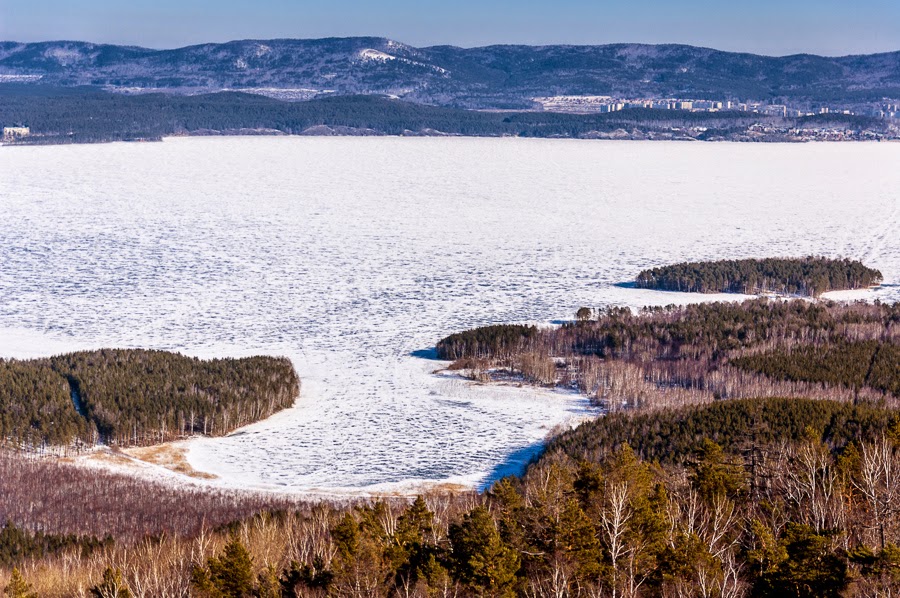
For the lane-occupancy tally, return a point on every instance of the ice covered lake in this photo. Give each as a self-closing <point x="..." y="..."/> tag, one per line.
<point x="350" y="255"/>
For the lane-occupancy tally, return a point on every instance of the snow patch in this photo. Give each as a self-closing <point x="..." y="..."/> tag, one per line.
<point x="64" y="55"/>
<point x="375" y="55"/>
<point x="851" y="296"/>
<point x="4" y="78"/>
<point x="370" y="55"/>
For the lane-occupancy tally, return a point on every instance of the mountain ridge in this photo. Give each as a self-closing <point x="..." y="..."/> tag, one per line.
<point x="445" y="46"/>
<point x="501" y="76"/>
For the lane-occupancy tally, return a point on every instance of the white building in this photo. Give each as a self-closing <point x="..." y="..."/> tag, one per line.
<point x="13" y="133"/>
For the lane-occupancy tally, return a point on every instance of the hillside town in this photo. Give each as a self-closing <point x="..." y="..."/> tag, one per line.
<point x="585" y="104"/>
<point x="758" y="132"/>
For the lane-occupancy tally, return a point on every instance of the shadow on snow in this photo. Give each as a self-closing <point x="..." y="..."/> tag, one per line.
<point x="430" y="353"/>
<point x="514" y="464"/>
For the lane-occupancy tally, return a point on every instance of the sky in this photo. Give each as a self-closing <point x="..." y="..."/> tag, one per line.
<point x="773" y="27"/>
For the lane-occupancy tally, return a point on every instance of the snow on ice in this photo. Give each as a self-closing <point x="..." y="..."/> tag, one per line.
<point x="352" y="256"/>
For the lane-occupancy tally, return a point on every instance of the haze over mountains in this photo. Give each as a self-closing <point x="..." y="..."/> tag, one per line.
<point x="487" y="77"/>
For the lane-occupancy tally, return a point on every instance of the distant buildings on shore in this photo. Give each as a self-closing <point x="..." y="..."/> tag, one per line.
<point x="609" y="104"/>
<point x="15" y="133"/>
<point x="605" y="104"/>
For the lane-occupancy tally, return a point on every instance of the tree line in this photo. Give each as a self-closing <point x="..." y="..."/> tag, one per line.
<point x="670" y="356"/>
<point x="874" y="364"/>
<point x="36" y="406"/>
<point x="810" y="276"/>
<point x="131" y="397"/>
<point x="485" y="342"/>
<point x="18" y="545"/>
<point x="85" y="115"/>
<point x="667" y="436"/>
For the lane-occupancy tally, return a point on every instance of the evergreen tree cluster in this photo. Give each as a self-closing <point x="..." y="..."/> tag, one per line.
<point x="740" y="520"/>
<point x="711" y="329"/>
<point x="795" y="498"/>
<point x="486" y="342"/>
<point x="810" y="276"/>
<point x="674" y="331"/>
<point x="669" y="436"/>
<point x="376" y="553"/>
<point x="874" y="364"/>
<point x="18" y="545"/>
<point x="134" y="397"/>
<point x="36" y="406"/>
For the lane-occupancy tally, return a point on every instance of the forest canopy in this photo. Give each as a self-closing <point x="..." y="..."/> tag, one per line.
<point x="485" y="341"/>
<point x="136" y="396"/>
<point x="809" y="276"/>
<point x="742" y="499"/>
<point x="671" y="436"/>
<point x="668" y="356"/>
<point x="874" y="364"/>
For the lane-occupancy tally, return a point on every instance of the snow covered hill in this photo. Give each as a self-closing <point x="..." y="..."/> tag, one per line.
<point x="493" y="77"/>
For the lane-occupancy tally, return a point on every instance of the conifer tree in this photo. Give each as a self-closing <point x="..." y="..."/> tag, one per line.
<point x="227" y="576"/>
<point x="18" y="587"/>
<point x="628" y="509"/>
<point x="112" y="585"/>
<point x="315" y="578"/>
<point x="362" y="560"/>
<point x="480" y="558"/>
<point x="409" y="545"/>
<point x="346" y="537"/>
<point x="437" y="578"/>
<point x="806" y="566"/>
<point x="233" y="571"/>
<point x="713" y="476"/>
<point x="269" y="584"/>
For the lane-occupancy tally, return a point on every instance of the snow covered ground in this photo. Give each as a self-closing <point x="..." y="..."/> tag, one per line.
<point x="352" y="255"/>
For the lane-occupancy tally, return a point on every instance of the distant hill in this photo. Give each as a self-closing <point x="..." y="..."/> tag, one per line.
<point x="488" y="77"/>
<point x="87" y="114"/>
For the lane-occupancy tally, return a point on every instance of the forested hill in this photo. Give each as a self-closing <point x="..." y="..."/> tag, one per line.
<point x="671" y="436"/>
<point x="136" y="397"/>
<point x="500" y="76"/>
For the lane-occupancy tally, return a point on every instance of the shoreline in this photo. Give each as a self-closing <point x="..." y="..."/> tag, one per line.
<point x="169" y="462"/>
<point x="440" y="135"/>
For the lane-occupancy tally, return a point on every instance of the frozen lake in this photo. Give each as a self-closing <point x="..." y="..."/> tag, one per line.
<point x="351" y="254"/>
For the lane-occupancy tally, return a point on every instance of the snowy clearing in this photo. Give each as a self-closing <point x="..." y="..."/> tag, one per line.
<point x="353" y="255"/>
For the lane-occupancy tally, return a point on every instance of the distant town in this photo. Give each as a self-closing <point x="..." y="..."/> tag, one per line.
<point x="48" y="115"/>
<point x="604" y="104"/>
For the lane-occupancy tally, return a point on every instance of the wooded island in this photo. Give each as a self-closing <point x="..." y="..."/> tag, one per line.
<point x="808" y="277"/>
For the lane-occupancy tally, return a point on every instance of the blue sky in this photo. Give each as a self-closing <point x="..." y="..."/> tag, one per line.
<point x="762" y="26"/>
